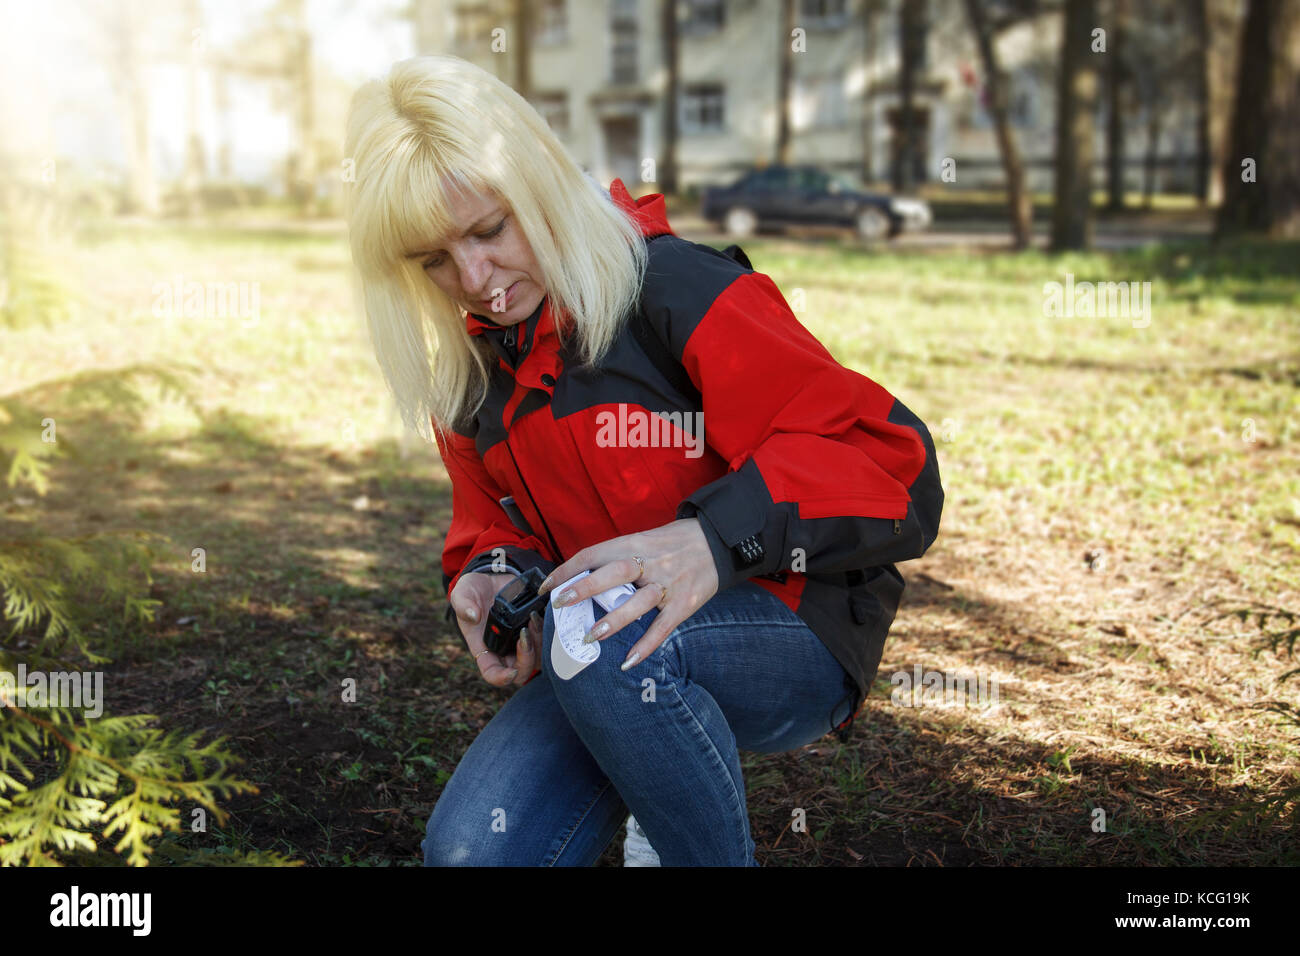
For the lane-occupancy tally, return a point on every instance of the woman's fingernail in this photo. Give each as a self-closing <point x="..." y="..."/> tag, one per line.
<point x="512" y="674"/>
<point x="523" y="639"/>
<point x="564" y="598"/>
<point x="536" y="619"/>
<point x="596" y="633"/>
<point x="636" y="656"/>
<point x="472" y="615"/>
<point x="541" y="588"/>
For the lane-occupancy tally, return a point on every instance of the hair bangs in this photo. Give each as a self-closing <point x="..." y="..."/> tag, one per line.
<point x="407" y="211"/>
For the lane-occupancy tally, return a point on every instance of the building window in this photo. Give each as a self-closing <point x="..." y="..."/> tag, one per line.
<point x="823" y="14"/>
<point x="623" y="36"/>
<point x="553" y="23"/>
<point x="474" y="23"/>
<point x="554" y="108"/>
<point x="702" y="108"/>
<point x="702" y="16"/>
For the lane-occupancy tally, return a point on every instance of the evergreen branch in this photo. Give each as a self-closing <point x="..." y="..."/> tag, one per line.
<point x="114" y="756"/>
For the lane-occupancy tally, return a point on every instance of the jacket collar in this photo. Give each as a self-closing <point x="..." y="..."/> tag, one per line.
<point x="649" y="213"/>
<point x="526" y="332"/>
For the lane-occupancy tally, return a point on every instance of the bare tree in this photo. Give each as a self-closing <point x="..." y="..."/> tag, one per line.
<point x="523" y="17"/>
<point x="1116" y="70"/>
<point x="1019" y="205"/>
<point x="1265" y="137"/>
<point x="195" y="167"/>
<point x="302" y="161"/>
<point x="668" y="162"/>
<point x="1224" y="28"/>
<point x="911" y="39"/>
<point x="785" y="77"/>
<point x="1076" y="104"/>
<point x="1201" y="95"/>
<point x="870" y="20"/>
<point x="122" y="26"/>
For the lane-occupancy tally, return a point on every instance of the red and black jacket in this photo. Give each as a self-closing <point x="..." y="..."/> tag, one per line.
<point x="820" y="466"/>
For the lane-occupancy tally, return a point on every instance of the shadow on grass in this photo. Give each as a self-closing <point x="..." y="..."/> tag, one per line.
<point x="352" y="702"/>
<point x="928" y="785"/>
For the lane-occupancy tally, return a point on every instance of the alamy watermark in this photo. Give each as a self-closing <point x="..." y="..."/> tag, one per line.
<point x="635" y="428"/>
<point x="1125" y="300"/>
<point x="179" y="299"/>
<point x="73" y="689"/>
<point x="940" y="689"/>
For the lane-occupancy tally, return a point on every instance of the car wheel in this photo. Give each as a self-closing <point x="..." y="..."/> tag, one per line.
<point x="741" y="222"/>
<point x="872" y="224"/>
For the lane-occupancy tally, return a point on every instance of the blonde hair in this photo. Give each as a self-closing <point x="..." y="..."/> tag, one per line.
<point x="437" y="122"/>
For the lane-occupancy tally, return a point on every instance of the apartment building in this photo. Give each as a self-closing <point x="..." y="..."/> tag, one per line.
<point x="598" y="72"/>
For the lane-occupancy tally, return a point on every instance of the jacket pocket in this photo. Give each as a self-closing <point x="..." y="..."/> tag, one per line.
<point x="876" y="593"/>
<point x="874" y="597"/>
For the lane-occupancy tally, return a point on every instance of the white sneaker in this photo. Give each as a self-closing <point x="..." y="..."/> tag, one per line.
<point x="637" y="850"/>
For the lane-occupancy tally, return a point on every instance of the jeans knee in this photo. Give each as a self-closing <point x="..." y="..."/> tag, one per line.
<point x="442" y="846"/>
<point x="439" y="853"/>
<point x="603" y="687"/>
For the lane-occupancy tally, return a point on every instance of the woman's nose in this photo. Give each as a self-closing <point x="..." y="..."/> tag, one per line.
<point x="475" y="273"/>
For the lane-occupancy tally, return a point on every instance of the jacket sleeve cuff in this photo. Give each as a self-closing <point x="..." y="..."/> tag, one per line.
<point x="520" y="559"/>
<point x="732" y="508"/>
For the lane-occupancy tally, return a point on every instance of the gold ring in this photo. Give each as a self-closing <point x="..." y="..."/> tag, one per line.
<point x="640" y="563"/>
<point x="662" y="599"/>
<point x="480" y="653"/>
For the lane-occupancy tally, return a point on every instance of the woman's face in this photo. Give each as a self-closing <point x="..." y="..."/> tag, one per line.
<point x="486" y="266"/>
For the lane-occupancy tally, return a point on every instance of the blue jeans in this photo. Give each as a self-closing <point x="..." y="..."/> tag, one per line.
<point x="552" y="777"/>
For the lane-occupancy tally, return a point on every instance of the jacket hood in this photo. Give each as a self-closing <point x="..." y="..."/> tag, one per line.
<point x="649" y="213"/>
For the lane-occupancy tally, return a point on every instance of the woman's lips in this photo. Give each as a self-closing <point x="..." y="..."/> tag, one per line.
<point x="510" y="294"/>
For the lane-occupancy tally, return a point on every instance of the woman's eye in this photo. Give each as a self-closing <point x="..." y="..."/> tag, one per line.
<point x="437" y="261"/>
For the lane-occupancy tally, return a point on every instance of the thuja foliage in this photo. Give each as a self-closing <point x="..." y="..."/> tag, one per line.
<point x="114" y="775"/>
<point x="70" y="782"/>
<point x="34" y="225"/>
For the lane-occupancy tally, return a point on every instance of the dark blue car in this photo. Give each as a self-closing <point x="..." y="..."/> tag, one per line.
<point x="806" y="195"/>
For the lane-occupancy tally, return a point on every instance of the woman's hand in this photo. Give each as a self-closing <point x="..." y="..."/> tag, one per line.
<point x="676" y="558"/>
<point x="472" y="599"/>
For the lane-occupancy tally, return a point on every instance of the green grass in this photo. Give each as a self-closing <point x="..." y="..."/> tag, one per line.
<point x="1171" y="450"/>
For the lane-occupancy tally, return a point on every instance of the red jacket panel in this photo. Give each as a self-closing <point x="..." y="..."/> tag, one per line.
<point x="776" y="445"/>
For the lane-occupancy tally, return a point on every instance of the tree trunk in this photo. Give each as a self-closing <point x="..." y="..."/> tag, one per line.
<point x="306" y="124"/>
<point x="784" y="79"/>
<point x="522" y="48"/>
<point x="870" y="13"/>
<point x="133" y="101"/>
<point x="1076" y="103"/>
<point x="1018" y="202"/>
<point x="911" y="35"/>
<point x="1225" y="18"/>
<point x="194" y="159"/>
<point x="1201" y="93"/>
<point x="668" y="163"/>
<point x="1115" y="110"/>
<point x="1266" y="125"/>
<point x="1154" y="117"/>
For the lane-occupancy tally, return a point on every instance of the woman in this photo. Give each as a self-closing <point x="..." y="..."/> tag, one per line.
<point x="661" y="420"/>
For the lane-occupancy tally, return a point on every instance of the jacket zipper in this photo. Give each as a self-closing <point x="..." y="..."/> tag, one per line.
<point x="550" y="537"/>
